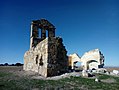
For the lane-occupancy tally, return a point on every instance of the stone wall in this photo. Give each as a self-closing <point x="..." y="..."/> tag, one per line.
<point x="72" y="58"/>
<point x="48" y="58"/>
<point x="93" y="59"/>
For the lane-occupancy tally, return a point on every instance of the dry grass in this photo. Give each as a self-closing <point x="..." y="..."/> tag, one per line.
<point x="110" y="69"/>
<point x="14" y="78"/>
<point x="10" y="68"/>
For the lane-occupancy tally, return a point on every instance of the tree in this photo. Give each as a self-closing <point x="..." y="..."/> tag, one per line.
<point x="6" y="64"/>
<point x="18" y="64"/>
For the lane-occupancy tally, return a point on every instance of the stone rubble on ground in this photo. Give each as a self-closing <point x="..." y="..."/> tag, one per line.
<point x="96" y="80"/>
<point x="66" y="75"/>
<point x="85" y="73"/>
<point x="116" y="72"/>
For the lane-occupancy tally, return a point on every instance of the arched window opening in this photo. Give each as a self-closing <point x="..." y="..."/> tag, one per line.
<point x="37" y="59"/>
<point x="41" y="61"/>
<point x="47" y="33"/>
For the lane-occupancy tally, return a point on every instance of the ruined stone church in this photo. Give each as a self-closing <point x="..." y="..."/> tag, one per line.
<point x="47" y="54"/>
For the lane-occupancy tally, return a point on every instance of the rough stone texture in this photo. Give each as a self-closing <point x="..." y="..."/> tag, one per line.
<point x="47" y="56"/>
<point x="44" y="25"/>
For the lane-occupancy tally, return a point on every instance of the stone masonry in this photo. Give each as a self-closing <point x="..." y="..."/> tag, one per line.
<point x="47" y="55"/>
<point x="93" y="59"/>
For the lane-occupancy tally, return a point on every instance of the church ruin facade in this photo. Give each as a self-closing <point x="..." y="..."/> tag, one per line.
<point x="47" y="54"/>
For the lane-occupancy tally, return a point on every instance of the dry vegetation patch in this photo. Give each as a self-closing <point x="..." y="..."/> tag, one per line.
<point x="110" y="69"/>
<point x="14" y="78"/>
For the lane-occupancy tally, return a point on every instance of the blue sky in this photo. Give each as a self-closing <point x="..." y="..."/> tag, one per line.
<point x="83" y="24"/>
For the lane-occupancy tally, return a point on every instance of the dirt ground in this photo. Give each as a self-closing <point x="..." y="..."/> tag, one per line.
<point x="18" y="70"/>
<point x="28" y="80"/>
<point x="110" y="69"/>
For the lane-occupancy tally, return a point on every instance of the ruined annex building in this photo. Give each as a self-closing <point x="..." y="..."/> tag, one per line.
<point x="47" y="54"/>
<point x="92" y="59"/>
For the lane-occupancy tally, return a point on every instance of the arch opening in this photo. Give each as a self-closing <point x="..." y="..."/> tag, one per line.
<point x="92" y="64"/>
<point x="40" y="29"/>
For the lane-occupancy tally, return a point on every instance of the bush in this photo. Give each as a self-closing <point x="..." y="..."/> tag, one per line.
<point x="18" y="64"/>
<point x="6" y="64"/>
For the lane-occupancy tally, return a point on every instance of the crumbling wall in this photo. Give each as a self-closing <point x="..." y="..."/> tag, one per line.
<point x="36" y="58"/>
<point x="57" y="57"/>
<point x="44" y="25"/>
<point x="72" y="58"/>
<point x="93" y="59"/>
<point x="48" y="58"/>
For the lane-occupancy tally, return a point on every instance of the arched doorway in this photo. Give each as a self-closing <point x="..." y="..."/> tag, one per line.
<point x="92" y="64"/>
<point x="77" y="66"/>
